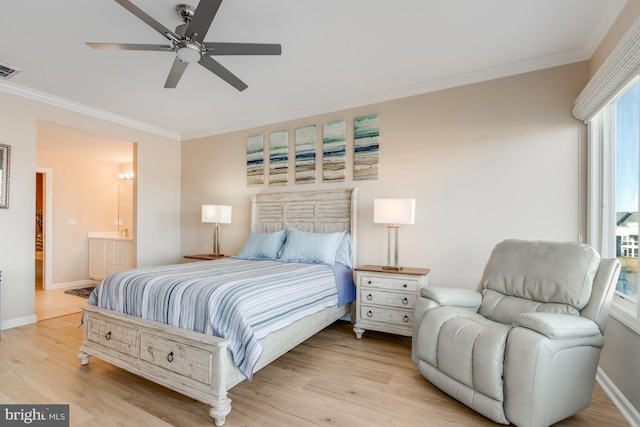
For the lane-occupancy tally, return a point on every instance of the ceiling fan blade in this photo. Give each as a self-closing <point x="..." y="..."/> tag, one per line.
<point x="128" y="46"/>
<point x="216" y="68"/>
<point x="148" y="19"/>
<point x="243" y="49"/>
<point x="202" y="18"/>
<point x="177" y="69"/>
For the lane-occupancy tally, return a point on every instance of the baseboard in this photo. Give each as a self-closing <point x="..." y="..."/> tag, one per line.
<point x="66" y="285"/>
<point x="626" y="408"/>
<point x="19" y="321"/>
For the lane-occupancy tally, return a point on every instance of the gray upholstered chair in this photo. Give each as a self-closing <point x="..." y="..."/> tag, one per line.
<point x="524" y="348"/>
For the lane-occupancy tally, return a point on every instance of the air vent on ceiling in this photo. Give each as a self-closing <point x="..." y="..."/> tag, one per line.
<point x="7" y="71"/>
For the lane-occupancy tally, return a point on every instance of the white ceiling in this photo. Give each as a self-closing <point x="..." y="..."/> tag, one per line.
<point x="335" y="54"/>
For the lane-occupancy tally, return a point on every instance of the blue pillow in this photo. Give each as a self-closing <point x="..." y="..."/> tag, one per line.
<point x="318" y="248"/>
<point x="263" y="245"/>
<point x="343" y="254"/>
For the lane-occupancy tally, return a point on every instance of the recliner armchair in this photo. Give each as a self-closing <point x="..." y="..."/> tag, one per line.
<point x="524" y="347"/>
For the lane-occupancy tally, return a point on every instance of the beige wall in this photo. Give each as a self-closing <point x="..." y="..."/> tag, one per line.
<point x="485" y="162"/>
<point x="158" y="197"/>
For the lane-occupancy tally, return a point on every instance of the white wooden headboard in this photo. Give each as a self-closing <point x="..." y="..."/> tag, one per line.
<point x="321" y="211"/>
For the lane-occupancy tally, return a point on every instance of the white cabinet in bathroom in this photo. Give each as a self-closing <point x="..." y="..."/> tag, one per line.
<point x="109" y="255"/>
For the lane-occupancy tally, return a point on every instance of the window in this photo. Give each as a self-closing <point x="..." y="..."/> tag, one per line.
<point x="627" y="166"/>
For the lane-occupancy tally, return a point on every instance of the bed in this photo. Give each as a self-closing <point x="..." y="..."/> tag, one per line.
<point x="197" y="363"/>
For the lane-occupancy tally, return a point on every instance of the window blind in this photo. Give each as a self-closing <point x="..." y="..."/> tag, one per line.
<point x="620" y="67"/>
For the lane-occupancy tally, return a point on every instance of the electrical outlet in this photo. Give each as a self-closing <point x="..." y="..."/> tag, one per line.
<point x="71" y="221"/>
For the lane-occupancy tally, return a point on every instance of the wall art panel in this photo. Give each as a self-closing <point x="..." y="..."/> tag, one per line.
<point x="306" y="154"/>
<point x="278" y="157"/>
<point x="366" y="147"/>
<point x="334" y="149"/>
<point x="255" y="160"/>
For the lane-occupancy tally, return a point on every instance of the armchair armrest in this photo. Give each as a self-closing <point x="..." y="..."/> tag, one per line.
<point x="432" y="297"/>
<point x="558" y="326"/>
<point x="457" y="297"/>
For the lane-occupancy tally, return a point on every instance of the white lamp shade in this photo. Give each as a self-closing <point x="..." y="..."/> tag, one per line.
<point x="220" y="214"/>
<point x="394" y="211"/>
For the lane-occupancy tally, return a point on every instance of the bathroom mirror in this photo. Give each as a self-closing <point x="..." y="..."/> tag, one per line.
<point x="5" y="157"/>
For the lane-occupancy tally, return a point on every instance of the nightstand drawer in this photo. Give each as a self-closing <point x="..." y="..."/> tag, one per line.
<point x="387" y="315"/>
<point x="389" y="283"/>
<point x="389" y="299"/>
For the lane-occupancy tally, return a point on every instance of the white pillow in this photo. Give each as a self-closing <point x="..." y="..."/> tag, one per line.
<point x="318" y="248"/>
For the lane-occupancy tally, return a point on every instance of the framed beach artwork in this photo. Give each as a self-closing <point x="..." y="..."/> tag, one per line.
<point x="305" y="154"/>
<point x="279" y="157"/>
<point x="334" y="149"/>
<point x="366" y="146"/>
<point x="255" y="160"/>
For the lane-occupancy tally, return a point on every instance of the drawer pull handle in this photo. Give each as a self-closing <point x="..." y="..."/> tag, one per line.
<point x="405" y="285"/>
<point x="405" y="301"/>
<point x="108" y="336"/>
<point x="170" y="357"/>
<point x="369" y="282"/>
<point x="405" y="319"/>
<point x="369" y="297"/>
<point x="369" y="313"/>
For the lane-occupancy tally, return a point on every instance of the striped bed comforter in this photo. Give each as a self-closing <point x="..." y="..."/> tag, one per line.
<point x="240" y="300"/>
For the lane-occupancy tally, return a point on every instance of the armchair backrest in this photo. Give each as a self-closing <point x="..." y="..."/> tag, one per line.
<point x="524" y="276"/>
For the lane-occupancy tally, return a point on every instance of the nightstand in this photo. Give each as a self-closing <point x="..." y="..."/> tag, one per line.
<point x="385" y="298"/>
<point x="202" y="257"/>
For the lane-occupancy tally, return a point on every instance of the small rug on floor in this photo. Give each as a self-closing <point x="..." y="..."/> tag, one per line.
<point x="80" y="292"/>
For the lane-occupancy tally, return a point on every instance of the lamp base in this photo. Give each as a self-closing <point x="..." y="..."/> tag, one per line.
<point x="391" y="267"/>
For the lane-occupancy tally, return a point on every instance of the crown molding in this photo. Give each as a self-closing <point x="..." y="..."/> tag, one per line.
<point x="84" y="109"/>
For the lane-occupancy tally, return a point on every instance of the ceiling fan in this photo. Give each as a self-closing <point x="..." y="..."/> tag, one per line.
<point x="187" y="42"/>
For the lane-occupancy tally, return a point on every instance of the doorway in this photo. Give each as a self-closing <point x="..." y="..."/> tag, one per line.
<point x="42" y="238"/>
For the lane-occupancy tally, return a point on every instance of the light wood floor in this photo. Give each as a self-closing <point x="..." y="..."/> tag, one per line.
<point x="55" y="303"/>
<point x="330" y="380"/>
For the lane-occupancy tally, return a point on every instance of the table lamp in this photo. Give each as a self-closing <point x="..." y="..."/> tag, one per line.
<point x="393" y="212"/>
<point x="216" y="214"/>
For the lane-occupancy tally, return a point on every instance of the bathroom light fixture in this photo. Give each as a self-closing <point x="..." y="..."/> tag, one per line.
<point x="216" y="214"/>
<point x="126" y="175"/>
<point x="393" y="212"/>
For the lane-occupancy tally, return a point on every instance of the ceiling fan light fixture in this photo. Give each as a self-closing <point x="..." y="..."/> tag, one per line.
<point x="188" y="51"/>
